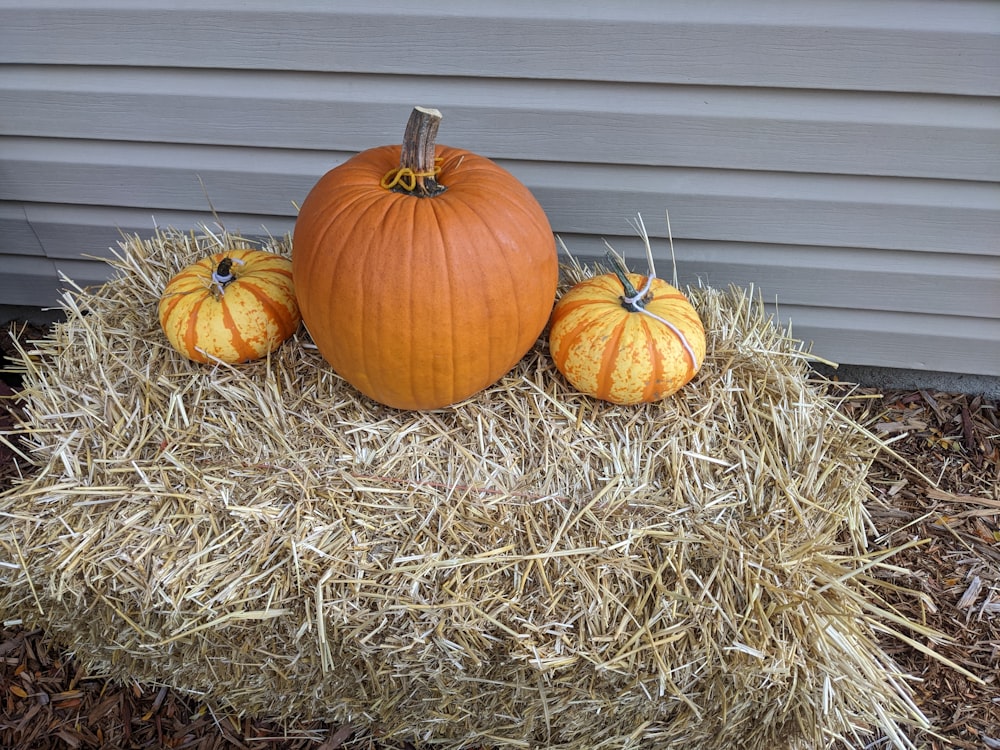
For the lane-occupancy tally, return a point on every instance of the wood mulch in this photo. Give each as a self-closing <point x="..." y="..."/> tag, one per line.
<point x="953" y="440"/>
<point x="942" y="487"/>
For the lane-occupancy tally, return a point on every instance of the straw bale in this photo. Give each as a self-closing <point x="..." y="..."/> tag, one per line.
<point x="529" y="568"/>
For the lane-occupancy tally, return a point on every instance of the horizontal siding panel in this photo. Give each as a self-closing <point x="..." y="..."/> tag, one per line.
<point x="910" y="342"/>
<point x="836" y="44"/>
<point x="827" y="132"/>
<point x="178" y="178"/>
<point x="30" y="280"/>
<point x="880" y="280"/>
<point x="734" y="206"/>
<point x="15" y="231"/>
<point x="884" y="213"/>
<point x="72" y="232"/>
<point x="827" y="276"/>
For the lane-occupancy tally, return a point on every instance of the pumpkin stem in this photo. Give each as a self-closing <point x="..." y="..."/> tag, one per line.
<point x="632" y="300"/>
<point x="418" y="169"/>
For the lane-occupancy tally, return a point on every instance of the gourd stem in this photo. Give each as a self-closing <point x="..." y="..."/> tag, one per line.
<point x="223" y="274"/>
<point x="417" y="170"/>
<point x="631" y="300"/>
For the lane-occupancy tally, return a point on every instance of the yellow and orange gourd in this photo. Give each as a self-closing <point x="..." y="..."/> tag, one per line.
<point x="424" y="273"/>
<point x="234" y="306"/>
<point x="626" y="338"/>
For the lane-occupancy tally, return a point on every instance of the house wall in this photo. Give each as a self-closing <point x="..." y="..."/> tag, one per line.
<point x="842" y="156"/>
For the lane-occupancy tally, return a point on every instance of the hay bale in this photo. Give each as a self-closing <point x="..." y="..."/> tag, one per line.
<point x="529" y="568"/>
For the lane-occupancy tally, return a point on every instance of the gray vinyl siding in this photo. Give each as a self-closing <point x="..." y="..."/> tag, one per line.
<point x="841" y="157"/>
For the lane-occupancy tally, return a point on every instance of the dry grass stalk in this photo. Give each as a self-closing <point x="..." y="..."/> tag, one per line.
<point x="530" y="568"/>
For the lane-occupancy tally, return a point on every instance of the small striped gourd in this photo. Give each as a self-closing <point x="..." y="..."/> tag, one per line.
<point x="233" y="306"/>
<point x="624" y="346"/>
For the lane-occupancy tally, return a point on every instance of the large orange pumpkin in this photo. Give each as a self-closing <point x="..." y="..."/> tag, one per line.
<point x="233" y="306"/>
<point x="424" y="273"/>
<point x="626" y="346"/>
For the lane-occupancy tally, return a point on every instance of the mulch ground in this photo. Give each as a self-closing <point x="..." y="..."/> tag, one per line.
<point x="942" y="487"/>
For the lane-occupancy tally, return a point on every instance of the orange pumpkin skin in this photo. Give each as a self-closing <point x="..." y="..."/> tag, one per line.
<point x="626" y="357"/>
<point x="242" y="320"/>
<point x="420" y="302"/>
